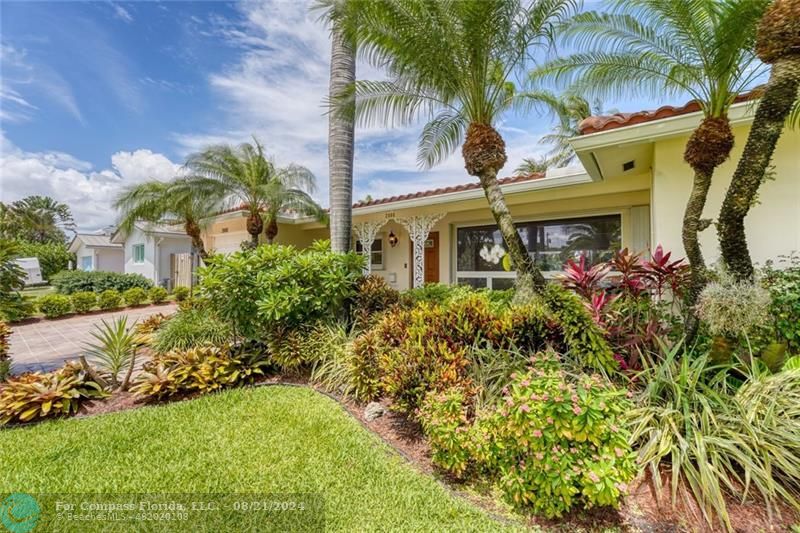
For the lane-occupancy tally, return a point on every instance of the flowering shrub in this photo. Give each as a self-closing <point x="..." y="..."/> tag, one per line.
<point x="444" y="420"/>
<point x="557" y="441"/>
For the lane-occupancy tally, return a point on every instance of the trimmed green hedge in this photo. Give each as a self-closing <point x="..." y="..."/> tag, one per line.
<point x="69" y="281"/>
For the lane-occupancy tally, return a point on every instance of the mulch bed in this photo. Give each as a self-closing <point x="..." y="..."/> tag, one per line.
<point x="642" y="510"/>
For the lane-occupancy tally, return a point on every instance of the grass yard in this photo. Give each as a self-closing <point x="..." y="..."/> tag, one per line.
<point x="267" y="440"/>
<point x="35" y="292"/>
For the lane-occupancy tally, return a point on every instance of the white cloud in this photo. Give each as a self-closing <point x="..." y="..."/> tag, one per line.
<point x="276" y="91"/>
<point x="122" y="13"/>
<point x="88" y="192"/>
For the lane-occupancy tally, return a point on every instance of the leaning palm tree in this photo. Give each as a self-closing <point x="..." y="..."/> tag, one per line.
<point x="452" y="62"/>
<point x="171" y="203"/>
<point x="653" y="47"/>
<point x="778" y="45"/>
<point x="244" y="176"/>
<point x="341" y="130"/>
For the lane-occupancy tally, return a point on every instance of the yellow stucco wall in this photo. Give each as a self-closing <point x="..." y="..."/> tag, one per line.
<point x="773" y="226"/>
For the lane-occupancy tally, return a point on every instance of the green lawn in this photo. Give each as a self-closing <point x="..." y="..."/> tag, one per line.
<point x="270" y="440"/>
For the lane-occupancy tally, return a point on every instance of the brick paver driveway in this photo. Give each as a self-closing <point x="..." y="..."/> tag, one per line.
<point x="45" y="345"/>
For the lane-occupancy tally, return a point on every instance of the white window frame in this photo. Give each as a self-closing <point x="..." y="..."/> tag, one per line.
<point x="380" y="237"/>
<point x="91" y="263"/>
<point x="133" y="253"/>
<point x="549" y="274"/>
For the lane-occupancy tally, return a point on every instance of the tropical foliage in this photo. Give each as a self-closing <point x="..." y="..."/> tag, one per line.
<point x="69" y="281"/>
<point x="114" y="350"/>
<point x="189" y="328"/>
<point x="36" y="219"/>
<point x="53" y="256"/>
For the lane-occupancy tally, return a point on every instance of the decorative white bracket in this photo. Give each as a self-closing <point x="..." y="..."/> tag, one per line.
<point x="418" y="228"/>
<point x="365" y="233"/>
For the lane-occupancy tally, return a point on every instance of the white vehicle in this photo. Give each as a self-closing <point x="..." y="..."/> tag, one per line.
<point x="33" y="272"/>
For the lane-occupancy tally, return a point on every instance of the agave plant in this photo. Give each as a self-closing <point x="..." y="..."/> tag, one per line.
<point x="115" y="349"/>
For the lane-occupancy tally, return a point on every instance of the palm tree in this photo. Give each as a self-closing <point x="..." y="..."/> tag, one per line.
<point x="341" y="130"/>
<point x="778" y="44"/>
<point x="653" y="47"/>
<point x="570" y="110"/>
<point x="170" y="203"/>
<point x="530" y="166"/>
<point x="38" y="219"/>
<point x="452" y="62"/>
<point x="244" y="176"/>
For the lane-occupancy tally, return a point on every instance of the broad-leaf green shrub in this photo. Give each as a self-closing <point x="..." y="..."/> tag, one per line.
<point x="69" y="281"/>
<point x="275" y="287"/>
<point x="433" y="293"/>
<point x="134" y="296"/>
<point x="557" y="441"/>
<point x="157" y="295"/>
<point x="54" y="305"/>
<point x="84" y="301"/>
<point x="584" y="339"/>
<point x="181" y="293"/>
<point x="784" y="288"/>
<point x="447" y="425"/>
<point x="53" y="256"/>
<point x="109" y="299"/>
<point x="189" y="328"/>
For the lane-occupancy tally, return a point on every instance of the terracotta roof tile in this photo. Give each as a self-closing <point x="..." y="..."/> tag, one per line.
<point x="619" y="120"/>
<point x="445" y="190"/>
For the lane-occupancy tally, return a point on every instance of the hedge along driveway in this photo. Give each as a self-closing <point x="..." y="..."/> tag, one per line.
<point x="45" y="345"/>
<point x="268" y="440"/>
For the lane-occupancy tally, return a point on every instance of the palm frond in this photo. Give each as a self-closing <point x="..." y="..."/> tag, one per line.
<point x="440" y="137"/>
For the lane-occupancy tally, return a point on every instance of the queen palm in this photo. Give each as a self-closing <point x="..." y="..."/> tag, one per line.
<point x="652" y="47"/>
<point x="778" y="44"/>
<point x="243" y="176"/>
<point x="451" y="62"/>
<point x="170" y="203"/>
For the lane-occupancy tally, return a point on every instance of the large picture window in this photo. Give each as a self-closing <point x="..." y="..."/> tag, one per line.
<point x="480" y="249"/>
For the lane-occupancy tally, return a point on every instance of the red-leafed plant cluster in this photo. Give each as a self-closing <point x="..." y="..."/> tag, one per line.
<point x="635" y="300"/>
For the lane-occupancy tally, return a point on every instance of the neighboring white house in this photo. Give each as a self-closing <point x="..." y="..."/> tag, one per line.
<point x="96" y="252"/>
<point x="162" y="254"/>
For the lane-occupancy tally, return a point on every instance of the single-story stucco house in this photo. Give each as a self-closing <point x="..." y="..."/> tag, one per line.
<point x="631" y="192"/>
<point x="96" y="252"/>
<point x="162" y="254"/>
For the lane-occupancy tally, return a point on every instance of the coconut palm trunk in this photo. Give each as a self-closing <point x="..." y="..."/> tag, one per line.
<point x="484" y="154"/>
<point x="768" y="124"/>
<point x="341" y="131"/>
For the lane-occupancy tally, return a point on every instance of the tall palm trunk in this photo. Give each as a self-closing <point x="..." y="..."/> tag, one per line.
<point x="484" y="154"/>
<point x="708" y="147"/>
<point x="193" y="231"/>
<point x="255" y="225"/>
<point x="768" y="123"/>
<point x="341" y="131"/>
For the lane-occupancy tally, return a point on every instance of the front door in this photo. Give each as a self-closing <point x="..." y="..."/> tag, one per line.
<point x="432" y="258"/>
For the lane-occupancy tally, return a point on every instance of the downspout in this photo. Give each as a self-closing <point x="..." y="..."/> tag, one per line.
<point x="158" y="261"/>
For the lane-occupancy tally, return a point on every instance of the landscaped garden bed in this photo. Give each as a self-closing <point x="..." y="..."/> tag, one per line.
<point x="580" y="406"/>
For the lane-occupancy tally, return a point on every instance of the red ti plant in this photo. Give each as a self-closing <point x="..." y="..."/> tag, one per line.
<point x="585" y="281"/>
<point x="664" y="273"/>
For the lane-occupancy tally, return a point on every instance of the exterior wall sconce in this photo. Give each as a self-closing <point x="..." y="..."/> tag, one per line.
<point x="392" y="239"/>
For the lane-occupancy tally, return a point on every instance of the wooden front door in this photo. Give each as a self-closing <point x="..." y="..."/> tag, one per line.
<point x="432" y="258"/>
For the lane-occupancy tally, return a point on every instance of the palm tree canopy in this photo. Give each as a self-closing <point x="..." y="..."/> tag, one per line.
<point x="36" y="219"/>
<point x="450" y="62"/>
<point x="652" y="47"/>
<point x="244" y="175"/>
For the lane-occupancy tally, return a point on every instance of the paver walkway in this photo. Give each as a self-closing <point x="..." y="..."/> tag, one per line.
<point x="45" y="345"/>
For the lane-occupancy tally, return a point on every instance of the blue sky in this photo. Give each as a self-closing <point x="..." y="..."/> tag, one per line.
<point x="98" y="95"/>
